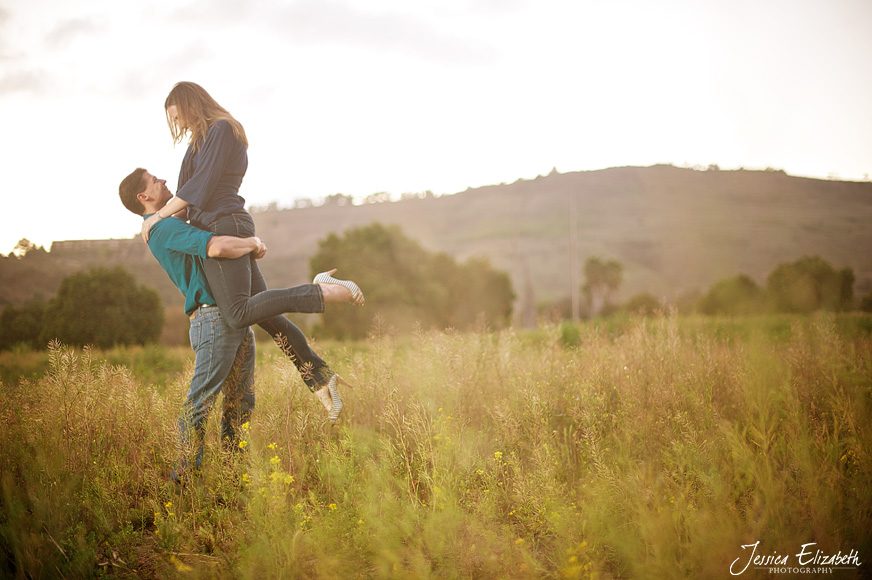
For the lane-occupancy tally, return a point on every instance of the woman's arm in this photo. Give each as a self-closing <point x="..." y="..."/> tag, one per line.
<point x="195" y="189"/>
<point x="174" y="206"/>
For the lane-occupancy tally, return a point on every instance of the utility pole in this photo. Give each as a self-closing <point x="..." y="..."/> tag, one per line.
<point x="573" y="258"/>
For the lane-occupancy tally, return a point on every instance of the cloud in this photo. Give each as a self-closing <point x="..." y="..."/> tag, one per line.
<point x="5" y="18"/>
<point x="27" y="70"/>
<point x="25" y="81"/>
<point x="159" y="74"/>
<point x="497" y="6"/>
<point x="66" y="31"/>
<point x="335" y="22"/>
<point x="206" y="13"/>
<point x="317" y="21"/>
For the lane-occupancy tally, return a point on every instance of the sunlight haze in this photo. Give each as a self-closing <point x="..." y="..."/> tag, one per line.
<point x="359" y="97"/>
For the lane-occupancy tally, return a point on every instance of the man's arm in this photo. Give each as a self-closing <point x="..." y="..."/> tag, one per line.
<point x="175" y="235"/>
<point x="233" y="247"/>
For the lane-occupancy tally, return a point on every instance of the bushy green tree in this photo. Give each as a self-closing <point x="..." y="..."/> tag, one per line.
<point x="602" y="279"/>
<point x="22" y="325"/>
<point x="26" y="248"/>
<point x="810" y="284"/>
<point x="866" y="303"/>
<point x="104" y="308"/>
<point x="405" y="285"/>
<point x="644" y="304"/>
<point x="733" y="296"/>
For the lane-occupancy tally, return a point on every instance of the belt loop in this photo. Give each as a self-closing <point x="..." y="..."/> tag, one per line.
<point x="197" y="309"/>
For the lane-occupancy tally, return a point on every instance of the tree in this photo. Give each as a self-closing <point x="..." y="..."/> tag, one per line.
<point x="407" y="286"/>
<point x="22" y="247"/>
<point x="810" y="284"/>
<point x="479" y="294"/>
<point x="338" y="199"/>
<point x="643" y="304"/>
<point x="22" y="325"/>
<point x="866" y="303"/>
<point x="602" y="280"/>
<point x="733" y="296"/>
<point x="26" y="248"/>
<point x="104" y="308"/>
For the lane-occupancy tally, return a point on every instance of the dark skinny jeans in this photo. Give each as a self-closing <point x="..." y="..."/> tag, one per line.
<point x="243" y="298"/>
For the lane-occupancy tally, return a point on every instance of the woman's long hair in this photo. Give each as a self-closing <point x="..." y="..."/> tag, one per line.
<point x="199" y="111"/>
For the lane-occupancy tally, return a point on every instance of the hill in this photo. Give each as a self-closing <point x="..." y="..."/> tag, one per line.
<point x="675" y="231"/>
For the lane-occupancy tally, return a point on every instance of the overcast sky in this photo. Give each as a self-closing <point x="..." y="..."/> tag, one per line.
<point x="366" y="96"/>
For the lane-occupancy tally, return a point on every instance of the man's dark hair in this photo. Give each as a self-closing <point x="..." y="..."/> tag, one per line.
<point x="132" y="185"/>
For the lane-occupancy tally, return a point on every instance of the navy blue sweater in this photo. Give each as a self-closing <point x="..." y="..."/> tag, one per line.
<point x="210" y="177"/>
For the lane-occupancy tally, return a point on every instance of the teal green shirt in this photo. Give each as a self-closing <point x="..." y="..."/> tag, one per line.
<point x="180" y="249"/>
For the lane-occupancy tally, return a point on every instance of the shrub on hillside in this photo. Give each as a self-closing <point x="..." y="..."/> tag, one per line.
<point x="733" y="296"/>
<point x="104" y="308"/>
<point x="866" y="303"/>
<point x="405" y="285"/>
<point x="810" y="284"/>
<point x="644" y="304"/>
<point x="22" y="325"/>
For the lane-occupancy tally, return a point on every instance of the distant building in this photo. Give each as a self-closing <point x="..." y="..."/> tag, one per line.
<point x="126" y="250"/>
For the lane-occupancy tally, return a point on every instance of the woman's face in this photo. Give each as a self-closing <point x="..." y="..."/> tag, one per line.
<point x="173" y="113"/>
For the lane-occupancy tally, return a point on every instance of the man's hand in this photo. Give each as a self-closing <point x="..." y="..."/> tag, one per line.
<point x="260" y="252"/>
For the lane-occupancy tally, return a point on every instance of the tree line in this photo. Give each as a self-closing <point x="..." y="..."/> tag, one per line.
<point x="806" y="285"/>
<point x="102" y="307"/>
<point x="406" y="287"/>
<point x="409" y="288"/>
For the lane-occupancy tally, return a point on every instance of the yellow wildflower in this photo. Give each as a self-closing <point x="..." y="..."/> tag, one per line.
<point x="180" y="566"/>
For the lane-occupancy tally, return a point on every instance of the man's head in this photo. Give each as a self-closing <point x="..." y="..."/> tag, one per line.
<point x="142" y="192"/>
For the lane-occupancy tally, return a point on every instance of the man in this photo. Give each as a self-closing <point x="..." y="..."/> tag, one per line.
<point x="224" y="355"/>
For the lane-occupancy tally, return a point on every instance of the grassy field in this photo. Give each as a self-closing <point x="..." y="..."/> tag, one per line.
<point x="631" y="449"/>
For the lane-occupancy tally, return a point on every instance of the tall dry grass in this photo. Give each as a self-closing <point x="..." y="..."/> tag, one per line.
<point x="652" y="449"/>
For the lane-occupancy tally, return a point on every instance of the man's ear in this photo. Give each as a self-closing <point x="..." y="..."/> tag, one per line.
<point x="143" y="197"/>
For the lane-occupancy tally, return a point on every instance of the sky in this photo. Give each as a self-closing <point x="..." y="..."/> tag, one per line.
<point x="405" y="96"/>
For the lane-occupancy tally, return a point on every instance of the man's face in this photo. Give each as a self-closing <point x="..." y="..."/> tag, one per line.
<point x="156" y="189"/>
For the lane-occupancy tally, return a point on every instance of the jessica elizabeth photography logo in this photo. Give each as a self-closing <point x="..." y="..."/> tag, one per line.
<point x="808" y="560"/>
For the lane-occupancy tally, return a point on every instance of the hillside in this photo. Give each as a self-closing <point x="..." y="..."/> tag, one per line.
<point x="674" y="230"/>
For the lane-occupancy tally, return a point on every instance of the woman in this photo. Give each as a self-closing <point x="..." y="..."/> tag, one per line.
<point x="208" y="196"/>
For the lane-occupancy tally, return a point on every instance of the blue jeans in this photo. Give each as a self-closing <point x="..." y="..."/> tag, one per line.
<point x="241" y="292"/>
<point x="224" y="362"/>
